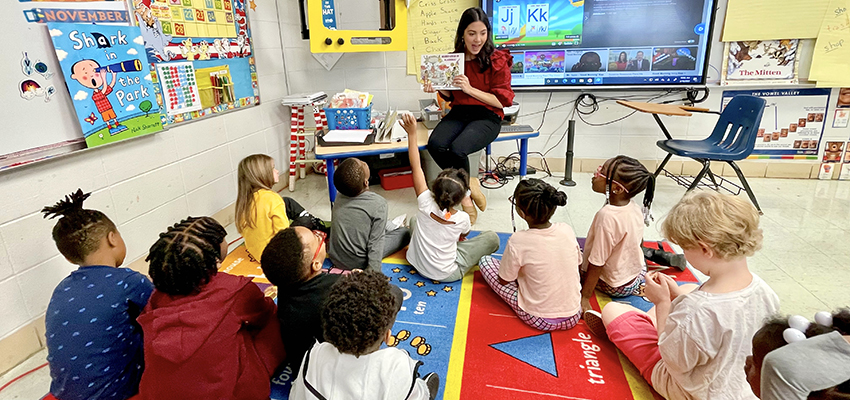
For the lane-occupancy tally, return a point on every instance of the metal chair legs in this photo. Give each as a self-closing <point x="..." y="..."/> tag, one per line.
<point x="746" y="186"/>
<point x="663" y="164"/>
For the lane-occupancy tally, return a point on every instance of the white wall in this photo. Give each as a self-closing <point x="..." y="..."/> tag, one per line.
<point x="143" y="185"/>
<point x="384" y="75"/>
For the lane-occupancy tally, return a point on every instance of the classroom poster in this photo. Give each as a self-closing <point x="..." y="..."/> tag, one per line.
<point x="760" y="62"/>
<point x="792" y="123"/>
<point x="109" y="81"/>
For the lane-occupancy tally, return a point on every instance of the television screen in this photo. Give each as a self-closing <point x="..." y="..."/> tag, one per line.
<point x="570" y="43"/>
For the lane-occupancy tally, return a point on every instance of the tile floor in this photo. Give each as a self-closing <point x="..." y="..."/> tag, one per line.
<point x="805" y="258"/>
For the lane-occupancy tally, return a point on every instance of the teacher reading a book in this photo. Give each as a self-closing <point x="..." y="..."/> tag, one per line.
<point x="476" y="113"/>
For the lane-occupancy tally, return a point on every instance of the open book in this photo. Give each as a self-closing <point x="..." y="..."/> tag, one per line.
<point x="441" y="69"/>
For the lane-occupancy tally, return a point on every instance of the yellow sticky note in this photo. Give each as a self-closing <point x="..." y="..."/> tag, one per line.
<point x="773" y="19"/>
<point x="831" y="58"/>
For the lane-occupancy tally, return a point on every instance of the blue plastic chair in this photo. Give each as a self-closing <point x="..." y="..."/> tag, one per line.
<point x="732" y="140"/>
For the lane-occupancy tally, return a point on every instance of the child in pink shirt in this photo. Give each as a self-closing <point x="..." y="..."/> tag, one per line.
<point x="538" y="275"/>
<point x="613" y="258"/>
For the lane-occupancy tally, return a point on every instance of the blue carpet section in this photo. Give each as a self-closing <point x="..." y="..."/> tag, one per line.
<point x="536" y="351"/>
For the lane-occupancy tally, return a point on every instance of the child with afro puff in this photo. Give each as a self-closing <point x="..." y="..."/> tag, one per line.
<point x="357" y="318"/>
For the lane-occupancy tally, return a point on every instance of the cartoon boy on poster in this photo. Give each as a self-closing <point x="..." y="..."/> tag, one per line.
<point x="89" y="74"/>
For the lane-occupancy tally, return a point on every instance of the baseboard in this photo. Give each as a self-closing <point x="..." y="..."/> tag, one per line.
<point x="750" y="168"/>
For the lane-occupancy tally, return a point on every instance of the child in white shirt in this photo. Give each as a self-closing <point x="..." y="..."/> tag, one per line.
<point x="694" y="342"/>
<point x="435" y="250"/>
<point x="538" y="274"/>
<point x="357" y="317"/>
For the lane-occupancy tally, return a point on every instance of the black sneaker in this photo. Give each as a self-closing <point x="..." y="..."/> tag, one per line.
<point x="593" y="319"/>
<point x="433" y="383"/>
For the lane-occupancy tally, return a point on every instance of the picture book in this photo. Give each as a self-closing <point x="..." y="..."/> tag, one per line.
<point x="109" y="80"/>
<point x="760" y="62"/>
<point x="441" y="69"/>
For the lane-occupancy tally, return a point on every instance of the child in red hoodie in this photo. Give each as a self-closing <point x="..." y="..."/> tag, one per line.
<point x="207" y="335"/>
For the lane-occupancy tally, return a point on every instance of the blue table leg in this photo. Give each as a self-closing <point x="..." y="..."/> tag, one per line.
<point x="331" y="188"/>
<point x="523" y="157"/>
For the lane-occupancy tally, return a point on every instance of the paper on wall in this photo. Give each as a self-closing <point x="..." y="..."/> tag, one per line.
<point x="832" y="50"/>
<point x="431" y="29"/>
<point x="773" y="19"/>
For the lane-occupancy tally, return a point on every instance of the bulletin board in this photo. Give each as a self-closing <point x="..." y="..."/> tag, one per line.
<point x="214" y="40"/>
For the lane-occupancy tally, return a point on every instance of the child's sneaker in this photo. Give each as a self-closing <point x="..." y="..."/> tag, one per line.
<point x="433" y="383"/>
<point x="593" y="319"/>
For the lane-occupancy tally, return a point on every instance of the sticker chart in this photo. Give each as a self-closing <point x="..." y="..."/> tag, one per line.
<point x="179" y="88"/>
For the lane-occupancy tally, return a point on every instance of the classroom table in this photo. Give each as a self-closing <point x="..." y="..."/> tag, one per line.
<point x="331" y="153"/>
<point x="662" y="109"/>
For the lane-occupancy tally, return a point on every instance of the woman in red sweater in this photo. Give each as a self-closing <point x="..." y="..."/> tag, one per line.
<point x="476" y="113"/>
<point x="207" y="335"/>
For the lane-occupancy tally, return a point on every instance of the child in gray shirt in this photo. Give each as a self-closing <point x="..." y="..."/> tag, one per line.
<point x="359" y="236"/>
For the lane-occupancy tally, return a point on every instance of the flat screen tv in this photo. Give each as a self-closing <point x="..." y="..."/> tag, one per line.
<point x="604" y="43"/>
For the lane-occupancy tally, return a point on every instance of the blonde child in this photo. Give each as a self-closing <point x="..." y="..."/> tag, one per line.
<point x="260" y="212"/>
<point x="94" y="345"/>
<point x="613" y="259"/>
<point x="538" y="275"/>
<point x="434" y="248"/>
<point x="694" y="342"/>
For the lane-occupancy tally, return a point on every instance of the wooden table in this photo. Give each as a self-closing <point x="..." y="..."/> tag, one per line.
<point x="662" y="109"/>
<point x="331" y="153"/>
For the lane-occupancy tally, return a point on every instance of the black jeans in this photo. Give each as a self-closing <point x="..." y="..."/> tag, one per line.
<point x="301" y="217"/>
<point x="464" y="131"/>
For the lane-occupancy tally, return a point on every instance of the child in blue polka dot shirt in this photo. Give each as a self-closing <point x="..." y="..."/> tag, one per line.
<point x="94" y="344"/>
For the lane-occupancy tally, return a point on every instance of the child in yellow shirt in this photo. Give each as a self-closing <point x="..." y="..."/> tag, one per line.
<point x="260" y="211"/>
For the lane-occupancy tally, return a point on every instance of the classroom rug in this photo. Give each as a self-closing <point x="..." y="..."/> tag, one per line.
<point x="472" y="339"/>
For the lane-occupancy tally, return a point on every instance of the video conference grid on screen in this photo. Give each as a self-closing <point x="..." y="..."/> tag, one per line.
<point x="603" y="42"/>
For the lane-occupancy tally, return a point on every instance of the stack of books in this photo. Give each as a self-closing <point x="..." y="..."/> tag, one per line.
<point x="303" y="98"/>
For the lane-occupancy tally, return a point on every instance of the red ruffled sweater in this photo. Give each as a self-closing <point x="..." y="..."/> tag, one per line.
<point x="495" y="80"/>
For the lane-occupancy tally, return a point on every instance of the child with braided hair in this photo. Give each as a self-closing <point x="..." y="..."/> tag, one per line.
<point x="208" y="335"/>
<point x="538" y="274"/>
<point x="613" y="253"/>
<point x="94" y="345"/>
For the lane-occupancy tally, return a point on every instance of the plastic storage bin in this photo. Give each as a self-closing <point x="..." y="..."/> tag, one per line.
<point x="396" y="178"/>
<point x="349" y="118"/>
<point x="430" y="118"/>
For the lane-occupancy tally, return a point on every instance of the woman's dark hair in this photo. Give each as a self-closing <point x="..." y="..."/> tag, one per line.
<point x="620" y="57"/>
<point x="770" y="338"/>
<point x="633" y="175"/>
<point x="285" y="260"/>
<point x="538" y="200"/>
<point x="350" y="177"/>
<point x="469" y="16"/>
<point x="79" y="231"/>
<point x="358" y="312"/>
<point x="186" y="256"/>
<point x="450" y="187"/>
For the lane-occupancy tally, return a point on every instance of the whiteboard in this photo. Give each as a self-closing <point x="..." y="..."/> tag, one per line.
<point x="27" y="124"/>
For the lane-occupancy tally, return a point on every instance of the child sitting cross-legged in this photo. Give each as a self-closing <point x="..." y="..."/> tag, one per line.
<point x="538" y="275"/>
<point x="613" y="253"/>
<point x="293" y="262"/>
<point x="94" y="345"/>
<point x="359" y="236"/>
<point x="693" y="344"/>
<point x="208" y="334"/>
<point x="357" y="317"/>
<point x="435" y="247"/>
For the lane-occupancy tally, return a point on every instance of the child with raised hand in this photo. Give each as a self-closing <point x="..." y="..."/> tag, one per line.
<point x="293" y="262"/>
<point x="260" y="212"/>
<point x="694" y="342"/>
<point x="435" y="250"/>
<point x="208" y="335"/>
<point x="815" y="364"/>
<point x="94" y="345"/>
<point x="613" y="259"/>
<point x="359" y="236"/>
<point x="538" y="275"/>
<point x="357" y="317"/>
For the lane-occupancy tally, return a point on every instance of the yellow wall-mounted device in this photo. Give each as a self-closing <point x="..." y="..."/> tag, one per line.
<point x="324" y="40"/>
